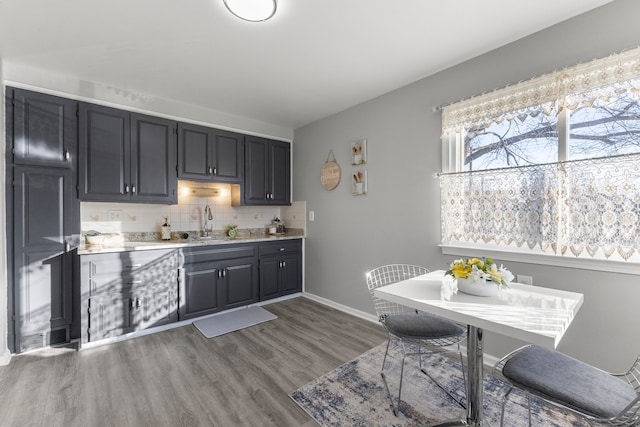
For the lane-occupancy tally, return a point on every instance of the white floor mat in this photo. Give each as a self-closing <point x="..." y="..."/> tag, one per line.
<point x="232" y="321"/>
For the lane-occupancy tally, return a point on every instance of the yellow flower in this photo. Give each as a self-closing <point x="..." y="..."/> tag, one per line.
<point x="460" y="271"/>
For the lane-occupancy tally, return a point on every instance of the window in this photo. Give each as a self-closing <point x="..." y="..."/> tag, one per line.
<point x="549" y="166"/>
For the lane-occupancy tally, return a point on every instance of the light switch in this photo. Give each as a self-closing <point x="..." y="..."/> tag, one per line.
<point x="312" y="216"/>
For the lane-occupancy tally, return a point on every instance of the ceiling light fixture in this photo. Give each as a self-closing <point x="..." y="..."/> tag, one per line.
<point x="252" y="10"/>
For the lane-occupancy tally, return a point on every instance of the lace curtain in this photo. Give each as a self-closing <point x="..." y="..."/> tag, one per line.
<point x="585" y="208"/>
<point x="568" y="88"/>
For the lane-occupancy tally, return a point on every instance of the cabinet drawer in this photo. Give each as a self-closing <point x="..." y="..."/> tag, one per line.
<point x="279" y="248"/>
<point x="211" y="253"/>
<point x="130" y="262"/>
<point x="156" y="278"/>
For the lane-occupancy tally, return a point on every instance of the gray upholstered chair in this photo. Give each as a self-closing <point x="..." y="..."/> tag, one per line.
<point x="599" y="397"/>
<point x="413" y="329"/>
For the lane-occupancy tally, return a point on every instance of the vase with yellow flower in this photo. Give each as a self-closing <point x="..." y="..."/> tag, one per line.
<point x="479" y="276"/>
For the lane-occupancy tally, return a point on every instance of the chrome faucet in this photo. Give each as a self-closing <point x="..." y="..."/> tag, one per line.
<point x="208" y="216"/>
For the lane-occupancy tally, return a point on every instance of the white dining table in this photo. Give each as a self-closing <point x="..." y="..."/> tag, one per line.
<point x="533" y="314"/>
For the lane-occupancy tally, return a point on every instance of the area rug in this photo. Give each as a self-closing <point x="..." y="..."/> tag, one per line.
<point x="233" y="321"/>
<point x="354" y="395"/>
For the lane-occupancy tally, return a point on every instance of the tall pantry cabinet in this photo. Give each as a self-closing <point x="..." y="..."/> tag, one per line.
<point x="42" y="217"/>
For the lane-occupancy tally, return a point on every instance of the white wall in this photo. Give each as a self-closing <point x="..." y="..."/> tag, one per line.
<point x="70" y="87"/>
<point x="4" y="351"/>
<point x="399" y="220"/>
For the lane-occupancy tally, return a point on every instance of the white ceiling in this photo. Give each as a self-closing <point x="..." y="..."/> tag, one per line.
<point x="313" y="59"/>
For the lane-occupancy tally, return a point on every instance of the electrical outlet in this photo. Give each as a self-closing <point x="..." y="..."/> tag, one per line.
<point x="115" y="215"/>
<point x="312" y="216"/>
<point x="525" y="280"/>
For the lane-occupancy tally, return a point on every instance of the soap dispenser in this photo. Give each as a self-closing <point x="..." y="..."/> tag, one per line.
<point x="166" y="230"/>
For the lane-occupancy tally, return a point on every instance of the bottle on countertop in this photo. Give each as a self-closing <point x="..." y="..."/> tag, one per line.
<point x="166" y="230"/>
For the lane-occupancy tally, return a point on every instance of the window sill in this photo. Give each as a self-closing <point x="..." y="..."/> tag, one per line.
<point x="530" y="257"/>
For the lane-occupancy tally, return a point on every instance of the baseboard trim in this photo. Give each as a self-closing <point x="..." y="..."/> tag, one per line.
<point x="178" y="324"/>
<point x="488" y="360"/>
<point x="344" y="308"/>
<point x="5" y="358"/>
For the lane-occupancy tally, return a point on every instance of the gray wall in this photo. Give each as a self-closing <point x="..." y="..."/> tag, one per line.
<point x="398" y="221"/>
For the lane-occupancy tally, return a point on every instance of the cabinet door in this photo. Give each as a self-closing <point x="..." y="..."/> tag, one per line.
<point x="256" y="176"/>
<point x="155" y="307"/>
<point x="109" y="315"/>
<point x="291" y="274"/>
<point x="269" y="278"/>
<point x="42" y="221"/>
<point x="280" y="172"/>
<point x="45" y="129"/>
<point x="194" y="158"/>
<point x="200" y="293"/>
<point x="104" y="168"/>
<point x="240" y="283"/>
<point x="153" y="160"/>
<point x="227" y="156"/>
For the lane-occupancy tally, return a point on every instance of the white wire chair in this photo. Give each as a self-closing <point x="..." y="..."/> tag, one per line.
<point x="409" y="326"/>
<point x="600" y="398"/>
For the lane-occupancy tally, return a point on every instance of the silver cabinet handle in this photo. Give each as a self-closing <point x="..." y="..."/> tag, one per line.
<point x="134" y="282"/>
<point x="66" y="154"/>
<point x="284" y="264"/>
<point x="210" y="170"/>
<point x="138" y="303"/>
<point x="67" y="246"/>
<point x="126" y="189"/>
<point x="133" y="189"/>
<point x="282" y="249"/>
<point x="133" y="266"/>
<point x="215" y="171"/>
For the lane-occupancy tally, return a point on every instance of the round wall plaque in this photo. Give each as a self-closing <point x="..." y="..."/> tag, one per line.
<point x="330" y="177"/>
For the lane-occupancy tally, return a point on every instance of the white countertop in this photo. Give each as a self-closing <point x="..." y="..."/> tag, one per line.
<point x="531" y="313"/>
<point x="176" y="244"/>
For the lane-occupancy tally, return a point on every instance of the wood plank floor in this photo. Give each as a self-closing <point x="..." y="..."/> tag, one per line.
<point x="180" y="378"/>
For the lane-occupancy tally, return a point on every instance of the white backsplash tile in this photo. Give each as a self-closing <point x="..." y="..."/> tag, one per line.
<point x="188" y="214"/>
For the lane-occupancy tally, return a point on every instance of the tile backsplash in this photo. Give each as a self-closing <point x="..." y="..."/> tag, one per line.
<point x="188" y="214"/>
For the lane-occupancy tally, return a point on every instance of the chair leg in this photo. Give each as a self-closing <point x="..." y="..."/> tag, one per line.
<point x="384" y="360"/>
<point x="504" y="402"/>
<point x="529" y="407"/>
<point x="401" y="377"/>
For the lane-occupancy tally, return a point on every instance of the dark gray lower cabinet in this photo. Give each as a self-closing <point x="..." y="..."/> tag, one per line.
<point x="218" y="278"/>
<point x="43" y="223"/>
<point x="128" y="291"/>
<point x="280" y="269"/>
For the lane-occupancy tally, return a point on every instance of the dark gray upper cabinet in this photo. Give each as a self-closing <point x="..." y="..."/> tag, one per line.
<point x="45" y="130"/>
<point x="105" y="143"/>
<point x="153" y="159"/>
<point x="207" y="154"/>
<point x="126" y="156"/>
<point x="267" y="172"/>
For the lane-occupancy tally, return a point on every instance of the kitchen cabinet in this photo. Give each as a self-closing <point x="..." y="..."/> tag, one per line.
<point x="126" y="157"/>
<point x="43" y="222"/>
<point x="43" y="217"/>
<point x="267" y="178"/>
<point x="218" y="278"/>
<point x="207" y="154"/>
<point x="44" y="129"/>
<point x="128" y="291"/>
<point x="280" y="269"/>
